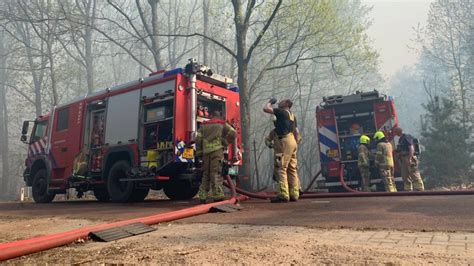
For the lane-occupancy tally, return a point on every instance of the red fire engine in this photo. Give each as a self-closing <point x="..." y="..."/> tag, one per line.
<point x="123" y="141"/>
<point x="341" y="120"/>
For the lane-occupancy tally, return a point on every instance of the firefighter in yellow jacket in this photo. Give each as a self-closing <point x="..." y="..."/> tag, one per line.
<point x="285" y="148"/>
<point x="384" y="161"/>
<point x="364" y="162"/>
<point x="408" y="162"/>
<point x="213" y="136"/>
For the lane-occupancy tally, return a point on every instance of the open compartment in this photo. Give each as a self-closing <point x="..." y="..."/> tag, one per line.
<point x="158" y="131"/>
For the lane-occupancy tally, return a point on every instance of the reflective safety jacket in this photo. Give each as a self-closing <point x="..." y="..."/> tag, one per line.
<point x="363" y="160"/>
<point x="214" y="134"/>
<point x="384" y="155"/>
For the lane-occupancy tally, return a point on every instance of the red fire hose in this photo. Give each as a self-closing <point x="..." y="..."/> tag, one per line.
<point x="27" y="246"/>
<point x="354" y="193"/>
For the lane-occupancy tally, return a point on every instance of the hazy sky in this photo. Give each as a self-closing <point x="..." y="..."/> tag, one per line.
<point x="392" y="31"/>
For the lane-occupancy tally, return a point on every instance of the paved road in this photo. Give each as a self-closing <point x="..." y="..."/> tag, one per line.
<point x="90" y="209"/>
<point x="429" y="213"/>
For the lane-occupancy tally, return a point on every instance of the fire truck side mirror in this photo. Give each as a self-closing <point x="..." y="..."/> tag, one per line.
<point x="24" y="131"/>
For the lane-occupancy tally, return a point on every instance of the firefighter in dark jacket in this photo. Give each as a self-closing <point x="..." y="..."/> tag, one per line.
<point x="384" y="161"/>
<point x="363" y="162"/>
<point x="408" y="162"/>
<point x="285" y="148"/>
<point x="213" y="136"/>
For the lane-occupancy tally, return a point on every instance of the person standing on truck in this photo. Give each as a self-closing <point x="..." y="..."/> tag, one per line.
<point x="285" y="148"/>
<point x="213" y="136"/>
<point x="406" y="155"/>
<point x="363" y="162"/>
<point x="384" y="161"/>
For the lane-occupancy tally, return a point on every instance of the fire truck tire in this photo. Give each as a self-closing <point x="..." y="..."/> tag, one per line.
<point x="101" y="194"/>
<point x="119" y="191"/>
<point x="139" y="194"/>
<point x="40" y="188"/>
<point x="180" y="190"/>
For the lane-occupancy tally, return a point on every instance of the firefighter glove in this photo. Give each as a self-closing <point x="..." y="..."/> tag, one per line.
<point x="269" y="143"/>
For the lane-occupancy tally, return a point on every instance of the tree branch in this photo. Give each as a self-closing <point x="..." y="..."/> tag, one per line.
<point x="262" y="32"/>
<point x="227" y="49"/>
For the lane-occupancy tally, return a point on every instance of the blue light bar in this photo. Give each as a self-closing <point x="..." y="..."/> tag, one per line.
<point x="173" y="72"/>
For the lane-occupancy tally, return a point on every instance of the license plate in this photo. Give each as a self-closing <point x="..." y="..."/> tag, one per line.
<point x="233" y="170"/>
<point x="188" y="153"/>
<point x="332" y="153"/>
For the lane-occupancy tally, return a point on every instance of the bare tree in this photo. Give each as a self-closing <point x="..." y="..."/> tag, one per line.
<point x="4" y="147"/>
<point x="446" y="41"/>
<point x="80" y="35"/>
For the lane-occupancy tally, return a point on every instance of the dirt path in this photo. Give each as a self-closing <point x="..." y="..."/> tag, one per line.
<point x="14" y="228"/>
<point x="225" y="244"/>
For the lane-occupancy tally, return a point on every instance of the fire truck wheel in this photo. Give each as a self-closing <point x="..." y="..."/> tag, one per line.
<point x="119" y="191"/>
<point x="180" y="190"/>
<point x="101" y="194"/>
<point x="139" y="194"/>
<point x="40" y="188"/>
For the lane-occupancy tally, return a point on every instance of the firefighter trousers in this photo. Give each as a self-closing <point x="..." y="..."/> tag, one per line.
<point x="365" y="178"/>
<point x="386" y="173"/>
<point x="212" y="181"/>
<point x="410" y="174"/>
<point x="286" y="167"/>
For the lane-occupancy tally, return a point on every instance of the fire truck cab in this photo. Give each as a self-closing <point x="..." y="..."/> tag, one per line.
<point x="121" y="142"/>
<point x="341" y="120"/>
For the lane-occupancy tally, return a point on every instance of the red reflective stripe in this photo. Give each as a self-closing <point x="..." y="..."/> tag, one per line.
<point x="160" y="177"/>
<point x="214" y="121"/>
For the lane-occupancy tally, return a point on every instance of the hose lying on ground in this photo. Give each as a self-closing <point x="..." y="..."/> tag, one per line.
<point x="355" y="193"/>
<point x="27" y="246"/>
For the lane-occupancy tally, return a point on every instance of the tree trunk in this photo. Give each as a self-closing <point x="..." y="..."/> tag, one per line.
<point x="154" y="39"/>
<point x="205" y="43"/>
<point x="89" y="59"/>
<point x="52" y="74"/>
<point x="4" y="149"/>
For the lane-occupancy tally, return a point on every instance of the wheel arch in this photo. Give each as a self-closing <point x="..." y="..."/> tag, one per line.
<point x="40" y="163"/>
<point x="116" y="154"/>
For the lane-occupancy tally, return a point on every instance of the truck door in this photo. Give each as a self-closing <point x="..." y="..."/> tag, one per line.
<point x="65" y="140"/>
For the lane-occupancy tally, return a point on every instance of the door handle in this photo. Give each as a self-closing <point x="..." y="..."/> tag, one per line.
<point x="64" y="149"/>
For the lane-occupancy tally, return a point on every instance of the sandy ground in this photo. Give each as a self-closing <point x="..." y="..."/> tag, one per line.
<point x="16" y="228"/>
<point x="224" y="244"/>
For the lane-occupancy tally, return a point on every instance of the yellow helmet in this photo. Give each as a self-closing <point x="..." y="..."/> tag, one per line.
<point x="379" y="135"/>
<point x="364" y="139"/>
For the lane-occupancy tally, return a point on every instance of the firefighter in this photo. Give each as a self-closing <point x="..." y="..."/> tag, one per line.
<point x="270" y="143"/>
<point x="285" y="147"/>
<point x="384" y="161"/>
<point x="364" y="162"/>
<point x="408" y="162"/>
<point x="213" y="136"/>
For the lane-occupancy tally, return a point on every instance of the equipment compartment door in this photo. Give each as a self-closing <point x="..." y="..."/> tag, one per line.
<point x="121" y="126"/>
